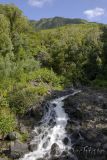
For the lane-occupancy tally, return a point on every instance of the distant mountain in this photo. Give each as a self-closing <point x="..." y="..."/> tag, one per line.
<point x="47" y="23"/>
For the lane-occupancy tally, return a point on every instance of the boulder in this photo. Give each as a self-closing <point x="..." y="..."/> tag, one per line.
<point x="65" y="140"/>
<point x="35" y="112"/>
<point x="32" y="147"/>
<point x="17" y="149"/>
<point x="54" y="149"/>
<point x="11" y="136"/>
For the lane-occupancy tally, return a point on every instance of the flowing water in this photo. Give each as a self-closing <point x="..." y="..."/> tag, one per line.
<point x="51" y="132"/>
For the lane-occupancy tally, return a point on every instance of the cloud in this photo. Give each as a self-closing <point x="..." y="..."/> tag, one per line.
<point x="39" y="3"/>
<point x="93" y="13"/>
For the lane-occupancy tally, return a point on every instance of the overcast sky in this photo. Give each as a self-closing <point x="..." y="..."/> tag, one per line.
<point x="92" y="10"/>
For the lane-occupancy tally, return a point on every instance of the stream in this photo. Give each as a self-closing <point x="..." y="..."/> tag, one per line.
<point x="51" y="133"/>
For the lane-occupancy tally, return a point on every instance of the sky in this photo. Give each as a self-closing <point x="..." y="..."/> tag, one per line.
<point x="91" y="10"/>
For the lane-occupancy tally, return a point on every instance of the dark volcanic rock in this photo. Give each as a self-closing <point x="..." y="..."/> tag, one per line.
<point x="105" y="147"/>
<point x="35" y="112"/>
<point x="65" y="140"/>
<point x="90" y="135"/>
<point x="88" y="123"/>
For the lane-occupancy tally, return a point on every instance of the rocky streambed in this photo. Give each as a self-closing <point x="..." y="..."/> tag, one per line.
<point x="86" y="129"/>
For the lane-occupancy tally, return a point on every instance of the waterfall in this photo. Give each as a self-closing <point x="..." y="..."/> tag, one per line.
<point x="51" y="132"/>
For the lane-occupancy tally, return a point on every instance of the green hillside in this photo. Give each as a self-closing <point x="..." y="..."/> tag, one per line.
<point x="47" y="23"/>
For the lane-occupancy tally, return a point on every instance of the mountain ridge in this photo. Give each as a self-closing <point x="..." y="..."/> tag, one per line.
<point x="48" y="23"/>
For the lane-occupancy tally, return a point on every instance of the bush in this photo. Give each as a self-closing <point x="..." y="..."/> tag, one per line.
<point x="21" y="99"/>
<point x="7" y="121"/>
<point x="3" y="103"/>
<point x="46" y="76"/>
<point x="42" y="89"/>
<point x="99" y="83"/>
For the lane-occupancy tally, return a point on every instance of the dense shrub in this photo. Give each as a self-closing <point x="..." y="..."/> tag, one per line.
<point x="7" y="121"/>
<point x="46" y="76"/>
<point x="99" y="83"/>
<point x="21" y="99"/>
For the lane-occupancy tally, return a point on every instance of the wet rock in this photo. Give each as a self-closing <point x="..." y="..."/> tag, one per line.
<point x="32" y="147"/>
<point x="65" y="140"/>
<point x="52" y="122"/>
<point x="11" y="136"/>
<point x="36" y="113"/>
<point x="104" y="106"/>
<point x="46" y="143"/>
<point x="54" y="149"/>
<point x="90" y="135"/>
<point x="64" y="153"/>
<point x="33" y="134"/>
<point x="105" y="146"/>
<point x="75" y="135"/>
<point x="54" y="105"/>
<point x="17" y="149"/>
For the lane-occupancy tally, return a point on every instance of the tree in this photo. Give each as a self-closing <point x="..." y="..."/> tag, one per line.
<point x="5" y="40"/>
<point x="15" y="17"/>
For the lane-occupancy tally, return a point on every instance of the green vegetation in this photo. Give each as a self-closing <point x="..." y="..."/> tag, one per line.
<point x="47" y="23"/>
<point x="7" y="121"/>
<point x="22" y="80"/>
<point x="74" y="52"/>
<point x="32" y="63"/>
